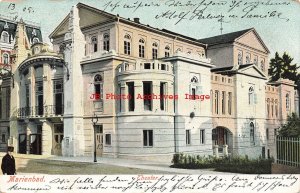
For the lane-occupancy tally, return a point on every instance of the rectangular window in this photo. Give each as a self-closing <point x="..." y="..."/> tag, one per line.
<point x="188" y="137"/>
<point x="163" y="67"/>
<point x="3" y="139"/>
<point x="217" y="102"/>
<point x="27" y="95"/>
<point x="127" y="47"/>
<point x="147" y="66"/>
<point x="148" y="138"/>
<point x="130" y="86"/>
<point x="163" y="93"/>
<point x="106" y="45"/>
<point x="141" y="51"/>
<point x="58" y="91"/>
<point x="147" y="91"/>
<point x="107" y="139"/>
<point x="223" y="102"/>
<point x="167" y="54"/>
<point x="202" y="136"/>
<point x="229" y="103"/>
<point x="267" y="134"/>
<point x="154" y="53"/>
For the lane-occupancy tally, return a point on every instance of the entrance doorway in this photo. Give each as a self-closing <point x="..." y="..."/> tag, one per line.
<point x="22" y="143"/>
<point x="58" y="135"/>
<point x="222" y="136"/>
<point x="35" y="144"/>
<point x="99" y="139"/>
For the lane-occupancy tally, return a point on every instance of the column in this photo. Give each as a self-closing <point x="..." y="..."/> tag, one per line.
<point x="156" y="91"/>
<point x="32" y="90"/>
<point x="123" y="102"/>
<point x="46" y="138"/>
<point x="139" y="103"/>
<point x="216" y="151"/>
<point x="28" y="132"/>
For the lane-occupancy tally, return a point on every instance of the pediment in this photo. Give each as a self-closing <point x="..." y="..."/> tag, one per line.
<point x="253" y="71"/>
<point x="253" y="40"/>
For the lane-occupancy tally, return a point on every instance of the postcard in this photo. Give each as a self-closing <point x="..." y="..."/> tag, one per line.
<point x="150" y="96"/>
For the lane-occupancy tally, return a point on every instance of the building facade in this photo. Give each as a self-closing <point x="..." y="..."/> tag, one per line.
<point x="143" y="92"/>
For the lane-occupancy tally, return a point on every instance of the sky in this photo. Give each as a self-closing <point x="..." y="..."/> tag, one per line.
<point x="276" y="21"/>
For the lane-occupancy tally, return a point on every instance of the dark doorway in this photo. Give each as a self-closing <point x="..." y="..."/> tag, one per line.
<point x="36" y="144"/>
<point x="22" y="143"/>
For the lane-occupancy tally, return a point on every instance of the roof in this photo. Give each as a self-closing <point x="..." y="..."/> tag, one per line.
<point x="225" y="38"/>
<point x="131" y="22"/>
<point x="229" y="68"/>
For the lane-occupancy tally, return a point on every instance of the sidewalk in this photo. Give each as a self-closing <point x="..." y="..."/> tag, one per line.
<point x="140" y="164"/>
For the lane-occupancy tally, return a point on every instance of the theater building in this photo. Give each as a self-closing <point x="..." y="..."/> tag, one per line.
<point x="96" y="81"/>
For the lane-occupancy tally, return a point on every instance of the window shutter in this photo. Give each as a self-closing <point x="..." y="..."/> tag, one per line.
<point x="199" y="90"/>
<point x="255" y="98"/>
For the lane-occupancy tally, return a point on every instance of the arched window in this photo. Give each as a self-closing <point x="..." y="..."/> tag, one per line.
<point x="240" y="58"/>
<point x="94" y="43"/>
<point x="167" y="51"/>
<point x="142" y="48"/>
<point x="5" y="58"/>
<point x="268" y="107"/>
<point x="272" y="107"/>
<point x="98" y="87"/>
<point x="127" y="46"/>
<point x="35" y="40"/>
<point x="262" y="65"/>
<point x="5" y="37"/>
<point x="252" y="138"/>
<point x="106" y="42"/>
<point x="287" y="101"/>
<point x="154" y="50"/>
<point x="251" y="95"/>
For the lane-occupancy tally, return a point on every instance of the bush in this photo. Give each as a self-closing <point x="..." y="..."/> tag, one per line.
<point x="225" y="164"/>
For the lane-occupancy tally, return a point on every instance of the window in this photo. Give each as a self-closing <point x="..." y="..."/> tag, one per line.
<point x="141" y="48"/>
<point x="267" y="134"/>
<point x="5" y="58"/>
<point x="147" y="91"/>
<point x="252" y="139"/>
<point x="167" y="51"/>
<point x="188" y="137"/>
<point x="211" y="101"/>
<point x="98" y="87"/>
<point x="163" y="67"/>
<point x="5" y="37"/>
<point x="229" y="103"/>
<point x="94" y="43"/>
<point x="130" y="86"/>
<point x="148" y="138"/>
<point x="202" y="136"/>
<point x="223" y="102"/>
<point x="194" y="80"/>
<point x="58" y="91"/>
<point x="251" y="95"/>
<point x="107" y="139"/>
<point x="27" y="95"/>
<point x="127" y="48"/>
<point x="163" y="92"/>
<point x="268" y="107"/>
<point x="106" y="42"/>
<point x="240" y="58"/>
<point x="272" y="107"/>
<point x="217" y="102"/>
<point x="154" y="50"/>
<point x="262" y="65"/>
<point x="248" y="59"/>
<point x="3" y="140"/>
<point x="287" y="101"/>
<point x="147" y="66"/>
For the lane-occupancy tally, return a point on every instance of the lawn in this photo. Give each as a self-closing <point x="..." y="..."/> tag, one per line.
<point x="69" y="168"/>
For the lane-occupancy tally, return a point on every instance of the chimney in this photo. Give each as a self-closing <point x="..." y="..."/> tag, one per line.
<point x="136" y="20"/>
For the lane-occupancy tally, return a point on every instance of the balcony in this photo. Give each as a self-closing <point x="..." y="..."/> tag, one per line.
<point x="40" y="111"/>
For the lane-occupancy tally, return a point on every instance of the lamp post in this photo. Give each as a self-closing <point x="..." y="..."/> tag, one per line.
<point x="95" y="120"/>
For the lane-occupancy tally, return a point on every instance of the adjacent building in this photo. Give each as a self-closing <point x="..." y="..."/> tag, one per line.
<point x="143" y="92"/>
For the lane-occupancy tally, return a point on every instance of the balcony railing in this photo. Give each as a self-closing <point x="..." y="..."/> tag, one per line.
<point x="41" y="111"/>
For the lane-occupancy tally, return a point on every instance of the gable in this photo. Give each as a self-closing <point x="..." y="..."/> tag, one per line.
<point x="252" y="40"/>
<point x="252" y="71"/>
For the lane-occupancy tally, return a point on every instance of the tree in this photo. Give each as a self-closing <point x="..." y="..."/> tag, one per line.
<point x="282" y="67"/>
<point x="291" y="128"/>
